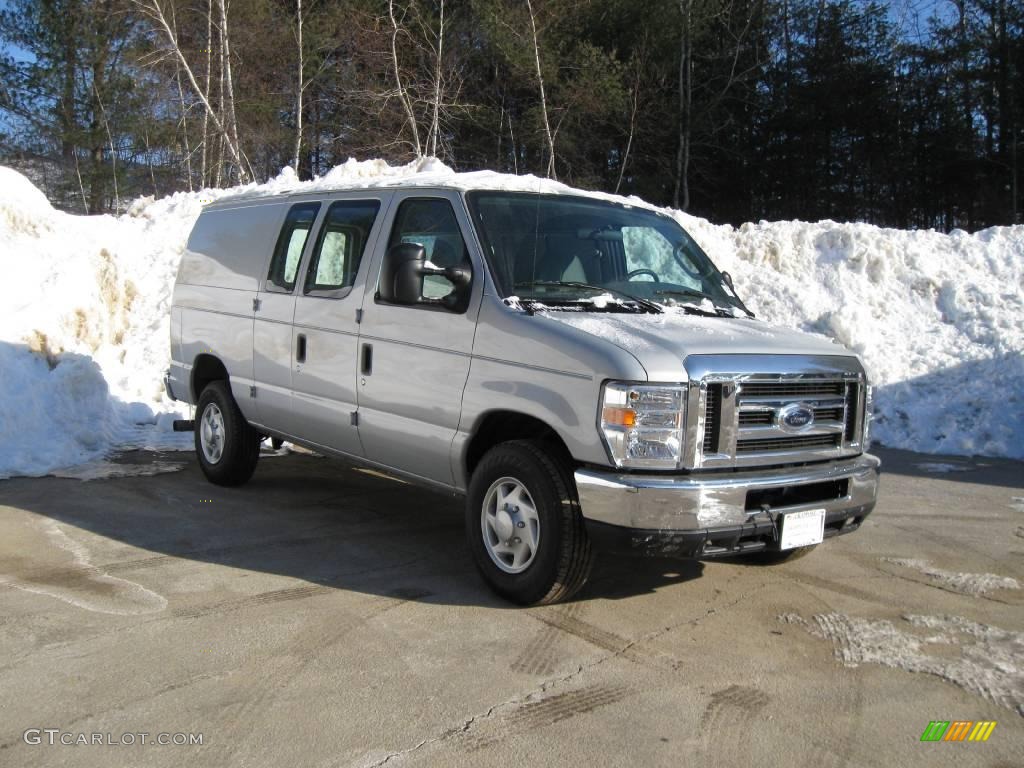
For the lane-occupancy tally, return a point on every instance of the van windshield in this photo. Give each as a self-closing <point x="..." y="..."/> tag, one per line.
<point x="595" y="255"/>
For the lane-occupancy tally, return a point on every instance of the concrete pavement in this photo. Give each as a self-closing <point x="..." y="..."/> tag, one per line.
<point x="324" y="615"/>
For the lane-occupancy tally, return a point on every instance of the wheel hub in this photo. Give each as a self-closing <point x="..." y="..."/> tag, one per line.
<point x="211" y="433"/>
<point x="510" y="525"/>
<point x="504" y="525"/>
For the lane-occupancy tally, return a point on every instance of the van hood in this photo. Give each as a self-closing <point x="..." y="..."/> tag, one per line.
<point x="661" y="342"/>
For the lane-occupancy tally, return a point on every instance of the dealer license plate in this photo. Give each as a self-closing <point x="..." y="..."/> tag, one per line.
<point x="801" y="529"/>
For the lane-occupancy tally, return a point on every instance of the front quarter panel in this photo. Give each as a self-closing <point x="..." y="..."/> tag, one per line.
<point x="544" y="369"/>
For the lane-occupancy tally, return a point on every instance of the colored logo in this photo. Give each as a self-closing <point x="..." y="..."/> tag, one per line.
<point x="958" y="730"/>
<point x="796" y="417"/>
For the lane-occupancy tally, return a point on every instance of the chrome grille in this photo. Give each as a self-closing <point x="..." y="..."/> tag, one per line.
<point x="787" y="443"/>
<point x="795" y="389"/>
<point x="712" y="418"/>
<point x="742" y="416"/>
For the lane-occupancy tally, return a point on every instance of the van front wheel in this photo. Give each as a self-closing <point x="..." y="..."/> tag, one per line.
<point x="227" y="446"/>
<point x="524" y="527"/>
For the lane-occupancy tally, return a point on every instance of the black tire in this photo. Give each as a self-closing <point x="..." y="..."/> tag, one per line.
<point x="774" y="557"/>
<point x="562" y="560"/>
<point x="240" y="448"/>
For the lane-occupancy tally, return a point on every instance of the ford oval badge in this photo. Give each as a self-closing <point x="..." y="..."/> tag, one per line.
<point x="796" y="417"/>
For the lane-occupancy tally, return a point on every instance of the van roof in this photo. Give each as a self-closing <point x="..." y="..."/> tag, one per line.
<point x="427" y="173"/>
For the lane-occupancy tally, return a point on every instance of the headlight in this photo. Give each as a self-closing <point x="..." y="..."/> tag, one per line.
<point x="642" y="424"/>
<point x="869" y="415"/>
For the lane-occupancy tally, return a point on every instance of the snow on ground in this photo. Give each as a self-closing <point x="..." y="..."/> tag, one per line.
<point x="938" y="319"/>
<point x="941" y="467"/>
<point x="985" y="660"/>
<point x="965" y="583"/>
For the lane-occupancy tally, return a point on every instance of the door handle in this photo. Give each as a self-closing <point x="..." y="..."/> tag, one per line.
<point x="300" y="349"/>
<point x="366" y="360"/>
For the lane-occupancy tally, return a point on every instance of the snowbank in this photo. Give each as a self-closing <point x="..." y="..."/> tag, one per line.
<point x="84" y="305"/>
<point x="938" y="319"/>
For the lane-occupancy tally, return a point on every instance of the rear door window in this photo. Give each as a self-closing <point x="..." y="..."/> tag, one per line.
<point x="290" y="243"/>
<point x="340" y="245"/>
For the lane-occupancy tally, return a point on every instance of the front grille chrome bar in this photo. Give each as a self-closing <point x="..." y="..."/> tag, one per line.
<point x="737" y="413"/>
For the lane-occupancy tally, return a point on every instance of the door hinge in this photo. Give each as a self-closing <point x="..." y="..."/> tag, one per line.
<point x="256" y="305"/>
<point x="359" y="315"/>
<point x="355" y="418"/>
<point x="252" y="391"/>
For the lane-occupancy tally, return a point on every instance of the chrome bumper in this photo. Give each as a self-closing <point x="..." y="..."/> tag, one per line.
<point x="706" y="501"/>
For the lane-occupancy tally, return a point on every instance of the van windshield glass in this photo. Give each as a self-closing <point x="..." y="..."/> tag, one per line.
<point x="557" y="248"/>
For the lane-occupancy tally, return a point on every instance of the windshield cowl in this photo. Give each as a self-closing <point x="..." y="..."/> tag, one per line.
<point x="607" y="304"/>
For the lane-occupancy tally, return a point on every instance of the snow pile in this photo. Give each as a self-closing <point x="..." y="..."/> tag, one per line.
<point x="939" y="319"/>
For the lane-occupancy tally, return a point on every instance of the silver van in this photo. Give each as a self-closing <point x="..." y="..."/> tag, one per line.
<point x="575" y="366"/>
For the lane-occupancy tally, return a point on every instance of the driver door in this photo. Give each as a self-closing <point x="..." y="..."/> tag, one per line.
<point x="414" y="360"/>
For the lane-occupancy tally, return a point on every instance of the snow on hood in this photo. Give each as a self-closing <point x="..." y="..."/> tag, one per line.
<point x="938" y="320"/>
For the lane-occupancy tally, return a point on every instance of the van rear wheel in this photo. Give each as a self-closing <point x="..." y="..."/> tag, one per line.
<point x="524" y="527"/>
<point x="227" y="446"/>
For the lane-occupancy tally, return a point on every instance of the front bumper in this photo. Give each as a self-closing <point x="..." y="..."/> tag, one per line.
<point x="720" y="514"/>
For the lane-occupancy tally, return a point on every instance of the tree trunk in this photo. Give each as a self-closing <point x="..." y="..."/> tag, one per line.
<point x="207" y="150"/>
<point x="221" y="143"/>
<point x="552" y="174"/>
<point x="184" y="116"/>
<point x="97" y="187"/>
<point x="298" y="95"/>
<point x="435" y="125"/>
<point x="681" y="193"/>
<point x="229" y="81"/>
<point x="403" y="95"/>
<point x="632" y="129"/>
<point x="66" y="112"/>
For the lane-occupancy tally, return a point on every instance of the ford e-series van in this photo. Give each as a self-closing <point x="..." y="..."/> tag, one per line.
<point x="576" y="367"/>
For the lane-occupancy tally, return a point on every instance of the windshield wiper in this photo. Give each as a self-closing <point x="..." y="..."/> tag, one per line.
<point x="682" y="292"/>
<point x="699" y="295"/>
<point x="645" y="303"/>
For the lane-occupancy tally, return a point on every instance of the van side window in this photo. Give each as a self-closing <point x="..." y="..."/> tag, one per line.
<point x="291" y="241"/>
<point x="340" y="245"/>
<point x="432" y="224"/>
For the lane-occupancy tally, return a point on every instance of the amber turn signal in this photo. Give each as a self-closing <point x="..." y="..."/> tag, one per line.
<point x="619" y="417"/>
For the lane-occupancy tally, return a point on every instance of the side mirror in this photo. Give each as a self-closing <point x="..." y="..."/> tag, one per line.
<point x="728" y="281"/>
<point x="401" y="278"/>
<point x="401" y="275"/>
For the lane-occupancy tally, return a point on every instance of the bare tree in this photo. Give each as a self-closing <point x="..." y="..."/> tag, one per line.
<point x="543" y="99"/>
<point x="435" y="125"/>
<point x="110" y="140"/>
<point x="184" y="112"/>
<point x="206" y="91"/>
<point x="681" y="192"/>
<point x="300" y="89"/>
<point x="222" y="137"/>
<point x="153" y="9"/>
<point x="403" y="94"/>
<point x="638" y="63"/>
<point x="232" y="122"/>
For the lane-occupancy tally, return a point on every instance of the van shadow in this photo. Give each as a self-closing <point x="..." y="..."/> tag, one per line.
<point x="323" y="521"/>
